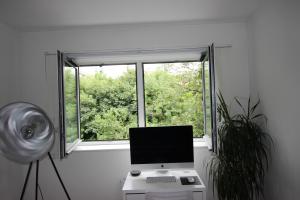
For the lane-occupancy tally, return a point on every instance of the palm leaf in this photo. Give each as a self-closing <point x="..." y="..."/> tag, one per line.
<point x="255" y="106"/>
<point x="248" y="107"/>
<point x="257" y="116"/>
<point x="239" y="103"/>
<point x="238" y="168"/>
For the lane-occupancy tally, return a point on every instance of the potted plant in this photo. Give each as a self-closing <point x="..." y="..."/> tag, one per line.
<point x="238" y="168"/>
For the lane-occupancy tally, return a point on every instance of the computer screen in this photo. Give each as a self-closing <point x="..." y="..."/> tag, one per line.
<point x="166" y="144"/>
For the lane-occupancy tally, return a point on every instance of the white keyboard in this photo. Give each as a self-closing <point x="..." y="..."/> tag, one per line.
<point x="161" y="179"/>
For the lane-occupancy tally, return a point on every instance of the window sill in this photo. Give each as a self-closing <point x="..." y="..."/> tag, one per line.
<point x="99" y="146"/>
<point x="121" y="145"/>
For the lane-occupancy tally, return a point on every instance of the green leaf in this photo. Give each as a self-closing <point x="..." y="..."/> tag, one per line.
<point x="239" y="103"/>
<point x="238" y="168"/>
<point x="255" y="106"/>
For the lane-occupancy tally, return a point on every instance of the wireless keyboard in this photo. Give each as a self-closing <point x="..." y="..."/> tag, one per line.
<point x="161" y="179"/>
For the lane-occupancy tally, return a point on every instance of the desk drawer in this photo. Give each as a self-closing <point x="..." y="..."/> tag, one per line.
<point x="196" y="196"/>
<point x="135" y="196"/>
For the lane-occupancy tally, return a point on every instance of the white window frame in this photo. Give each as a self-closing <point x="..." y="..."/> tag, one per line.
<point x="123" y="144"/>
<point x="141" y="109"/>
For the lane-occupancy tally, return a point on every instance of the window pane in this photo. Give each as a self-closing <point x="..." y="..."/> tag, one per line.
<point x="70" y="104"/>
<point x="108" y="105"/>
<point x="173" y="95"/>
<point x="207" y="98"/>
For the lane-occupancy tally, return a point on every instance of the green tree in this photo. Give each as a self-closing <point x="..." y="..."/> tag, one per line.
<point x="173" y="96"/>
<point x="70" y="104"/>
<point x="108" y="106"/>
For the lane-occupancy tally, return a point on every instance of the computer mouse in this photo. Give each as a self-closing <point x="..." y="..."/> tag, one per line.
<point x="191" y="180"/>
<point x="135" y="172"/>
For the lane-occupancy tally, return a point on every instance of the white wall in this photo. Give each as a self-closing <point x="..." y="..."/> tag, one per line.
<point x="97" y="175"/>
<point x="94" y="174"/>
<point x="275" y="34"/>
<point x="10" y="172"/>
<point x="8" y="60"/>
<point x="5" y="55"/>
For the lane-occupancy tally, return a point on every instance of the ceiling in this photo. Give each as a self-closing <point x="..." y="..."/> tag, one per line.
<point x="62" y="13"/>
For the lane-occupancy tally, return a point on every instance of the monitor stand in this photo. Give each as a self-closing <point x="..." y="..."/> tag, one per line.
<point x="162" y="171"/>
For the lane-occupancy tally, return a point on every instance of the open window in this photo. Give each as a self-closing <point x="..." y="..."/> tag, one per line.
<point x="69" y="114"/>
<point x="209" y="96"/>
<point x="102" y="96"/>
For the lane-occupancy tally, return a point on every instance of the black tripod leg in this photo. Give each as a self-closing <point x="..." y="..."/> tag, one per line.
<point x="37" y="180"/>
<point x="41" y="192"/>
<point x="26" y="181"/>
<point x="61" y="182"/>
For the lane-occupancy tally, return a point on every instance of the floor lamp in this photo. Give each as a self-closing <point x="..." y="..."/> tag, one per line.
<point x="26" y="136"/>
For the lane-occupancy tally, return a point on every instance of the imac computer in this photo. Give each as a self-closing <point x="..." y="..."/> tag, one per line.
<point x="162" y="148"/>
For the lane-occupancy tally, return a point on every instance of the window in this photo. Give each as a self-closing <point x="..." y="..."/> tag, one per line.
<point x="69" y="115"/>
<point x="207" y="97"/>
<point x="174" y="95"/>
<point x="114" y="97"/>
<point x="70" y="89"/>
<point x="108" y="104"/>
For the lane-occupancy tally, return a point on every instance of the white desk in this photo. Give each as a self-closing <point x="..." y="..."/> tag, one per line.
<point x="135" y="187"/>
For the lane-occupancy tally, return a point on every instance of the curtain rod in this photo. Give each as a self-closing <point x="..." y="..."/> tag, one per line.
<point x="136" y="51"/>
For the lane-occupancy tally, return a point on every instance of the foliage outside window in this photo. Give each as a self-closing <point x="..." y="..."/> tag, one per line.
<point x="207" y="88"/>
<point x="107" y="101"/>
<point x="173" y="95"/>
<point x="71" y="115"/>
